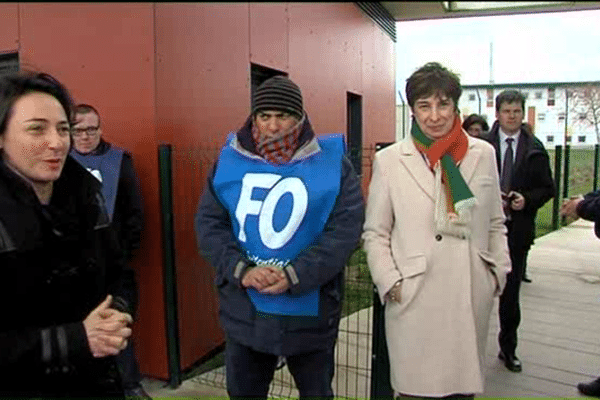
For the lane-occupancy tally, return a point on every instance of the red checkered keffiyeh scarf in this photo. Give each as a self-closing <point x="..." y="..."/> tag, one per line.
<point x="278" y="149"/>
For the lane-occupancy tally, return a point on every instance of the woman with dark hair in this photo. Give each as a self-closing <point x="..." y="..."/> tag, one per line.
<point x="436" y="244"/>
<point x="475" y="125"/>
<point x="67" y="295"/>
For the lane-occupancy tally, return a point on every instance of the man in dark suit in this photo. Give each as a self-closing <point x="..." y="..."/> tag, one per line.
<point x="526" y="184"/>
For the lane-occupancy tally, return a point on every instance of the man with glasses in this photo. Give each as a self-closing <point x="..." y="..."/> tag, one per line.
<point x="113" y="167"/>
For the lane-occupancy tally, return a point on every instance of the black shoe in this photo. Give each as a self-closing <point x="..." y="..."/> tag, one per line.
<point x="590" y="389"/>
<point x="136" y="391"/>
<point x="511" y="362"/>
<point x="526" y="279"/>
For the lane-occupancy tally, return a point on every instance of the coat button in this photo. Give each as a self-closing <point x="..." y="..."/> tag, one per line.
<point x="438" y="237"/>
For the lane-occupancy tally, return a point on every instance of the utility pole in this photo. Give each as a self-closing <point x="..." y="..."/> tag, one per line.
<point x="491" y="62"/>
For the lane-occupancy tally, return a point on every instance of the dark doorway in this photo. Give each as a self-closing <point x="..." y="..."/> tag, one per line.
<point x="259" y="74"/>
<point x="354" y="130"/>
<point x="9" y="62"/>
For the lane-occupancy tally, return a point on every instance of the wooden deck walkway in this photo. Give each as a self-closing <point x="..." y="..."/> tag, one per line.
<point x="559" y="336"/>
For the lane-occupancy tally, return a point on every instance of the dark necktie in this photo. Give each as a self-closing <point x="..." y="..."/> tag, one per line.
<point x="507" y="167"/>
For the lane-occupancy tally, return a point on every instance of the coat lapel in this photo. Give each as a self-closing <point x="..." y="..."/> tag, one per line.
<point x="417" y="167"/>
<point x="522" y="147"/>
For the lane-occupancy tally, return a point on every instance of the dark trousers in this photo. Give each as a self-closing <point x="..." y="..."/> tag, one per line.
<point x="509" y="308"/>
<point x="249" y="373"/>
<point x="130" y="373"/>
<point x="524" y="267"/>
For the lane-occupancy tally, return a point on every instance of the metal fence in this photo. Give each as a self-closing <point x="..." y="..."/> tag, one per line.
<point x="575" y="171"/>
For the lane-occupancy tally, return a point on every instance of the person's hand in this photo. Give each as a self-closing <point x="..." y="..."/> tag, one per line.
<point x="107" y="329"/>
<point x="569" y="207"/>
<point x="505" y="200"/>
<point x="262" y="277"/>
<point x="394" y="294"/>
<point x="278" y="287"/>
<point x="517" y="201"/>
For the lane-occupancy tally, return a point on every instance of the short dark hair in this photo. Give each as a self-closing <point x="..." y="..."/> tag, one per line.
<point x="83" y="108"/>
<point x="15" y="85"/>
<point x="433" y="79"/>
<point x="475" y="119"/>
<point x="510" y="96"/>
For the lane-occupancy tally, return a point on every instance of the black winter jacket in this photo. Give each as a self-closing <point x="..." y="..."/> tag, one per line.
<point x="532" y="178"/>
<point x="58" y="262"/>
<point x="321" y="265"/>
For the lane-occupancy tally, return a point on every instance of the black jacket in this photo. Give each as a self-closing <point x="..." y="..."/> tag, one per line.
<point x="589" y="208"/>
<point x="532" y="178"/>
<point x="128" y="218"/>
<point x="58" y="262"/>
<point x="321" y="265"/>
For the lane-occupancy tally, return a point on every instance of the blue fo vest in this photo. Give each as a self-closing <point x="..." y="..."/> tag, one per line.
<point x="277" y="211"/>
<point x="107" y="169"/>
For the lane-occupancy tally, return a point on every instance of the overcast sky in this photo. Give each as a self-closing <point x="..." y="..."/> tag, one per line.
<point x="546" y="47"/>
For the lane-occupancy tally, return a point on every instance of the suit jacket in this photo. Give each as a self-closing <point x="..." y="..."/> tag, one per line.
<point x="532" y="178"/>
<point x="448" y="282"/>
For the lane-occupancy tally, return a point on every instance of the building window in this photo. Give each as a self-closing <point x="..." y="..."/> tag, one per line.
<point x="582" y="116"/>
<point x="581" y="139"/>
<point x="541" y="116"/>
<point x="471" y="97"/>
<point x="551" y="96"/>
<point x="550" y="138"/>
<point x="525" y="95"/>
<point x="561" y="116"/>
<point x="568" y="139"/>
<point x="490" y="97"/>
<point x="538" y="94"/>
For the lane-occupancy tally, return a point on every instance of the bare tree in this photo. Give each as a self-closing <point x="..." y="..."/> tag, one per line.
<point x="585" y="102"/>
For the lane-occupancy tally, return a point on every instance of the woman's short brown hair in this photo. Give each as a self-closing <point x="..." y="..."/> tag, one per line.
<point x="433" y="79"/>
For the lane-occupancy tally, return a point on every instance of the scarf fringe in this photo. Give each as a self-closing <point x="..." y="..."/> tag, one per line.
<point x="455" y="224"/>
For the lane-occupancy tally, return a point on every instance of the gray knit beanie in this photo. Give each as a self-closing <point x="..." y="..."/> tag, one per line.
<point x="278" y="93"/>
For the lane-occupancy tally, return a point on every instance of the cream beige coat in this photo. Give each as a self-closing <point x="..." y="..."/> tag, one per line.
<point x="437" y="334"/>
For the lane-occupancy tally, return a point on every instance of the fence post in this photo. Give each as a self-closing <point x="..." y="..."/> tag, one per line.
<point x="381" y="388"/>
<point x="566" y="173"/>
<point x="166" y="207"/>
<point x="557" y="199"/>
<point x="566" y="177"/>
<point x="596" y="165"/>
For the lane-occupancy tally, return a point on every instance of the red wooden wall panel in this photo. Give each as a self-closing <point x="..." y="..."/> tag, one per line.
<point x="269" y="31"/>
<point x="203" y="90"/>
<point x="9" y="27"/>
<point x="104" y="53"/>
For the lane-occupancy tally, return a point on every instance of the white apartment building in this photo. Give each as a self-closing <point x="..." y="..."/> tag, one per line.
<point x="554" y="119"/>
